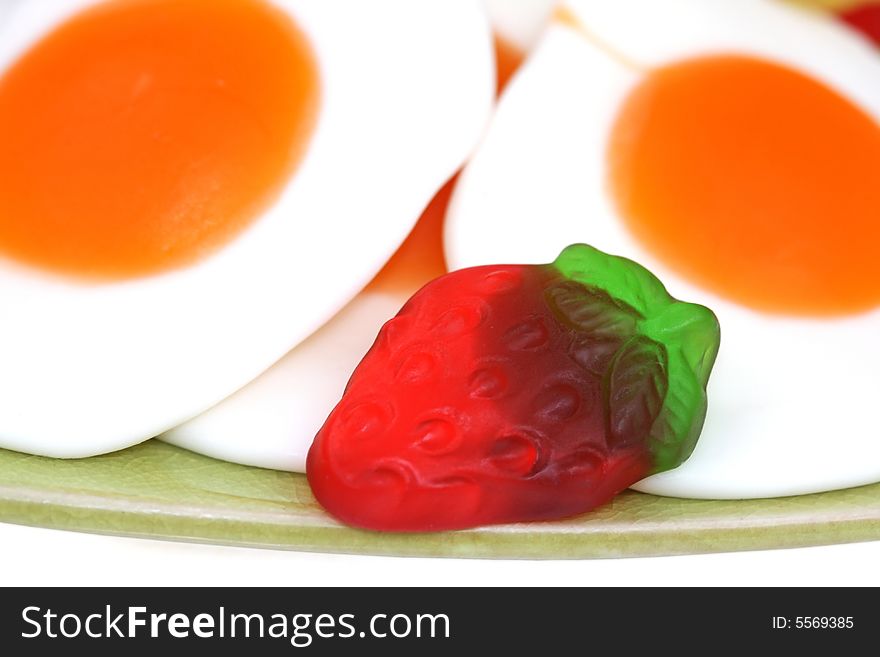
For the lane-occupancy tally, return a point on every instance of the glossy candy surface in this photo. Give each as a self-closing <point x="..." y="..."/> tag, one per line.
<point x="516" y="393"/>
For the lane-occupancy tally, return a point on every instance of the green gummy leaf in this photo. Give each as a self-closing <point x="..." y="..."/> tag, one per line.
<point x="657" y="381"/>
<point x="623" y="279"/>
<point x="636" y="387"/>
<point x="591" y="310"/>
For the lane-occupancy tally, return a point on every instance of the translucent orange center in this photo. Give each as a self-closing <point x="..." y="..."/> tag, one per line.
<point x="143" y="134"/>
<point x="754" y="181"/>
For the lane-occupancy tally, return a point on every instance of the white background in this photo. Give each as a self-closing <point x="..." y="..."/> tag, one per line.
<point x="33" y="556"/>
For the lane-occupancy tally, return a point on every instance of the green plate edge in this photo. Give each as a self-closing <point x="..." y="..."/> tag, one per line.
<point x="156" y="490"/>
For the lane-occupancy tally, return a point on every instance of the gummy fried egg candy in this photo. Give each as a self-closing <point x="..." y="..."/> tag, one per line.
<point x="189" y="188"/>
<point x="733" y="148"/>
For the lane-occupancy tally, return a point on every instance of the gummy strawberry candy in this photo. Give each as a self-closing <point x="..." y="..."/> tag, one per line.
<point x="516" y="393"/>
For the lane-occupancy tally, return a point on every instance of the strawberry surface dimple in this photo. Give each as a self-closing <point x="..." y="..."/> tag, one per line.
<point x="459" y="320"/>
<point x="366" y="419"/>
<point x="498" y="281"/>
<point x="530" y="334"/>
<point x="594" y="353"/>
<point x="417" y="367"/>
<point x="521" y="453"/>
<point x="557" y="403"/>
<point x="516" y="393"/>
<point x="437" y="436"/>
<point x="489" y="382"/>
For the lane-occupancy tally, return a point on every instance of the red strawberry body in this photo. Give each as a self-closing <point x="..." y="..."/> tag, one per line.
<point x="497" y="394"/>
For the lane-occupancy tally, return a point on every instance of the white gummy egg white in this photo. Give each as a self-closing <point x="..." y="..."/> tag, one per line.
<point x="272" y="422"/>
<point x="86" y="368"/>
<point x="6" y="7"/>
<point x="792" y="402"/>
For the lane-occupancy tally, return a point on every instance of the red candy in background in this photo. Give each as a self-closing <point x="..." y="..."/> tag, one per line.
<point x="864" y="18"/>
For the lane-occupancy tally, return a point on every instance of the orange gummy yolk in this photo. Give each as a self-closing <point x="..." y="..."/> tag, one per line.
<point x="142" y="135"/>
<point x="754" y="181"/>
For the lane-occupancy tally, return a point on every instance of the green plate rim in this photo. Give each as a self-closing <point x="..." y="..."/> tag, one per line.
<point x="155" y="490"/>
